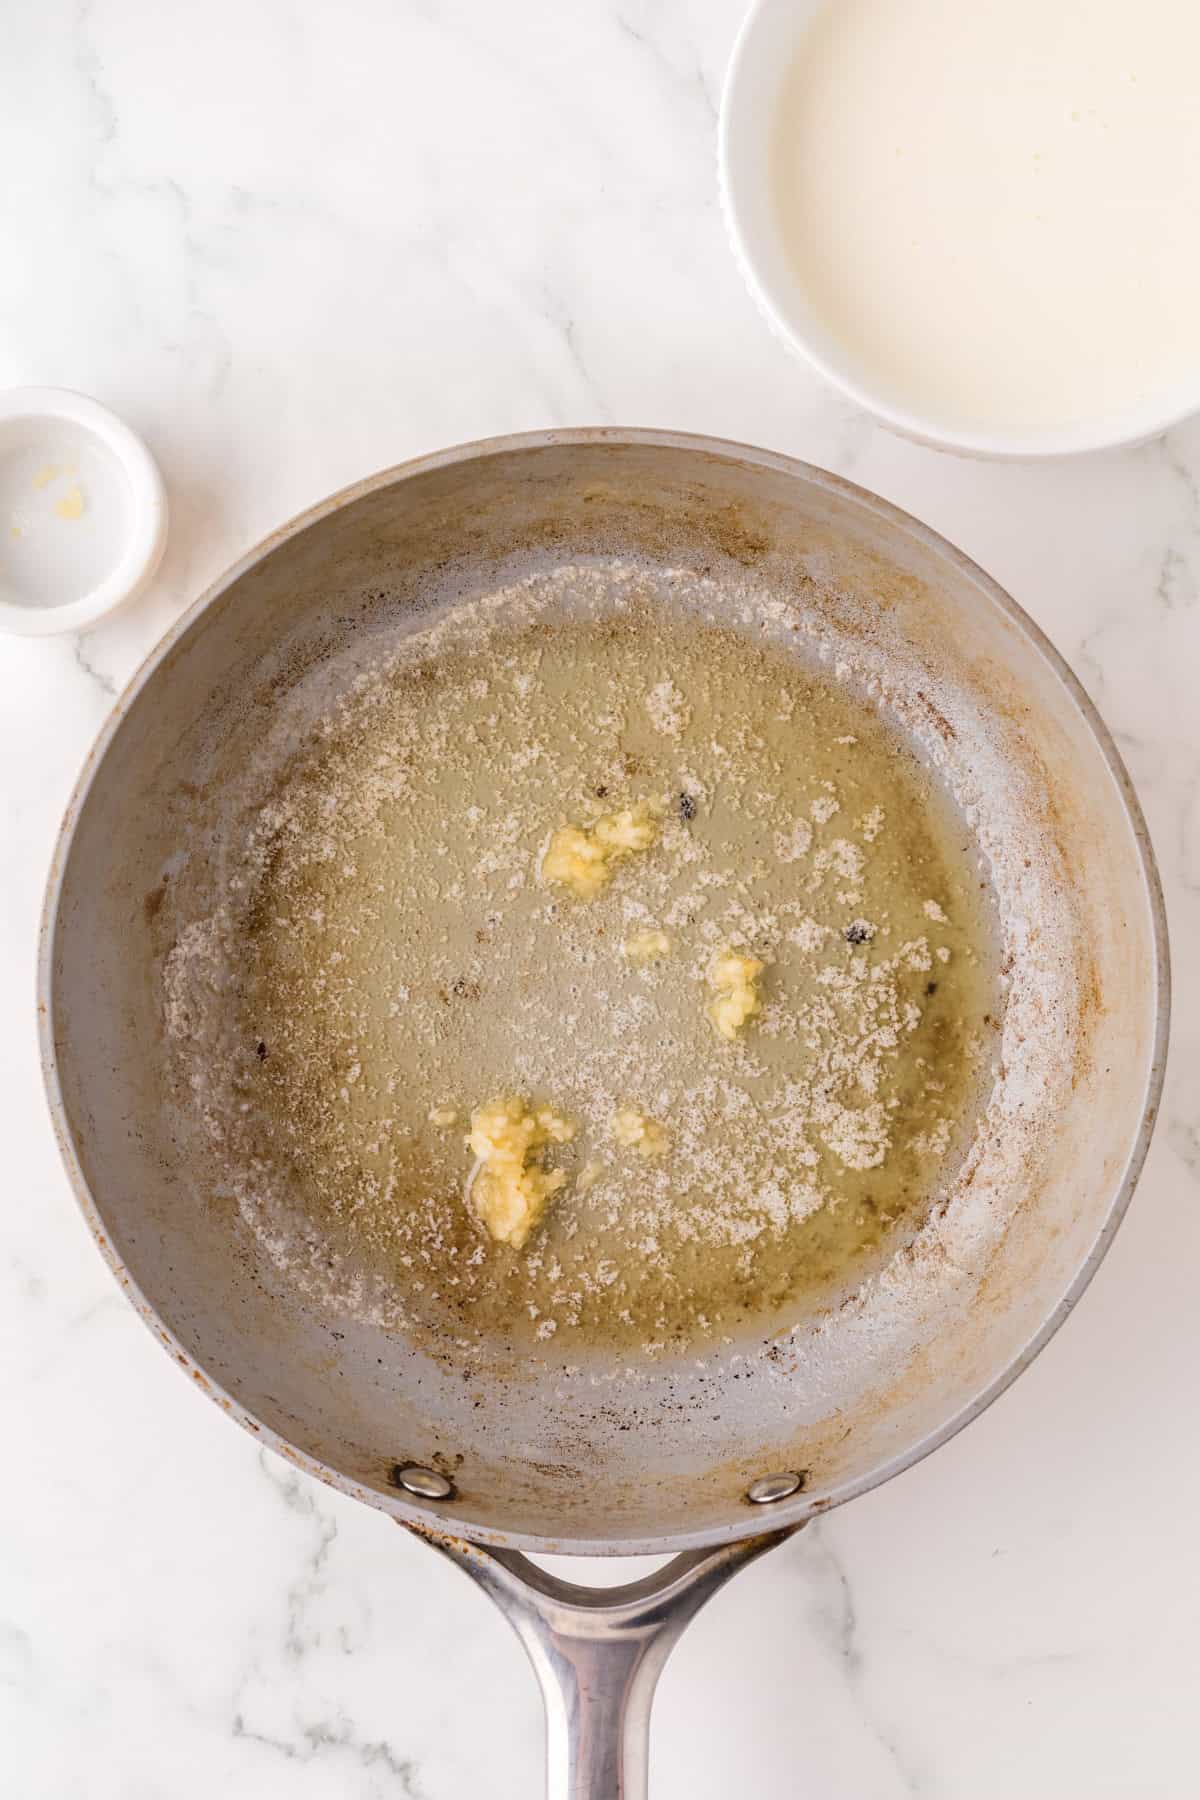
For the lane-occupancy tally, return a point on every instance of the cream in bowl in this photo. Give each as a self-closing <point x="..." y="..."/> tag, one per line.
<point x="977" y="220"/>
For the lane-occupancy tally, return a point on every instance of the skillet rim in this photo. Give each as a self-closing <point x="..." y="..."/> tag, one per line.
<point x="783" y="1514"/>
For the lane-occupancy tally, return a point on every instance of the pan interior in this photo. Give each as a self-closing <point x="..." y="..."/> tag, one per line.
<point x="302" y="913"/>
<point x="381" y="956"/>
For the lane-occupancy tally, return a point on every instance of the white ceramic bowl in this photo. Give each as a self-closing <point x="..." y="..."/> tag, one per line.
<point x="761" y="58"/>
<point x="83" y="512"/>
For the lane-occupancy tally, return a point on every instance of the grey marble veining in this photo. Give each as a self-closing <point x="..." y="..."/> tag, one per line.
<point x="294" y="243"/>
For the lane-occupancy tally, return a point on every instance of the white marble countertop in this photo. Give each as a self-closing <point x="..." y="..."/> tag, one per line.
<point x="292" y="243"/>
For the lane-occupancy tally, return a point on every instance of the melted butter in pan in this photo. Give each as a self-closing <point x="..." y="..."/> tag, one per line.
<point x="404" y="956"/>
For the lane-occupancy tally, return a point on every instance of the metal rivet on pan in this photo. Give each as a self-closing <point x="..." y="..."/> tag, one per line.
<point x="426" y="1484"/>
<point x="774" y="1487"/>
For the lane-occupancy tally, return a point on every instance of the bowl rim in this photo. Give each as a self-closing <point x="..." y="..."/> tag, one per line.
<point x="803" y="1507"/>
<point x="740" y="112"/>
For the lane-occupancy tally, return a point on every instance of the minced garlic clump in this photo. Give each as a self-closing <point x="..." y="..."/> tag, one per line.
<point x="736" y="998"/>
<point x="647" y="946"/>
<point x="508" y="1195"/>
<point x="583" y="860"/>
<point x="634" y="1131"/>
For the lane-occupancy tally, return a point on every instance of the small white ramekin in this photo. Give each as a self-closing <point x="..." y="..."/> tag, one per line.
<point x="762" y="55"/>
<point x="83" y="512"/>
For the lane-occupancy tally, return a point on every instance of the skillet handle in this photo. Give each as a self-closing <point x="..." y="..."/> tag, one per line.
<point x="598" y="1652"/>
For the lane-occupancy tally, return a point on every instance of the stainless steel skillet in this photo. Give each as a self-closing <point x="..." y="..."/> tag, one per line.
<point x="715" y="1463"/>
